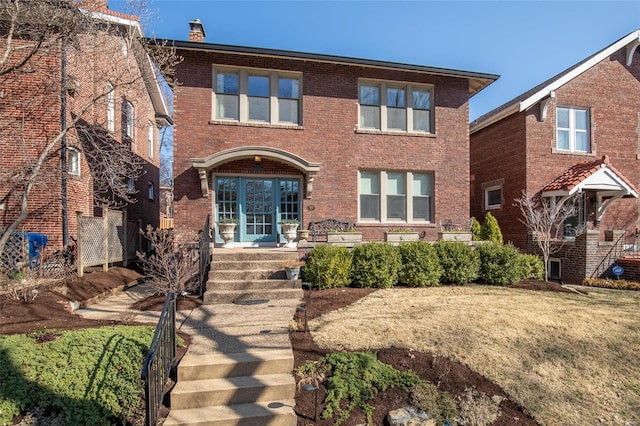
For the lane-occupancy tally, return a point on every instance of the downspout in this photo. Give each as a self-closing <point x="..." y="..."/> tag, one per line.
<point x="63" y="146"/>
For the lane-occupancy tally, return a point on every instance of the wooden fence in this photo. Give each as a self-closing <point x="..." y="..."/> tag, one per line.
<point x="107" y="239"/>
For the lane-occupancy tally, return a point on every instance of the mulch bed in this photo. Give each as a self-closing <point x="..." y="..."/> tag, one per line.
<point x="450" y="376"/>
<point x="50" y="311"/>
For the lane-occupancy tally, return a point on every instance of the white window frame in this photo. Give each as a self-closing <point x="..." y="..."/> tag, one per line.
<point x="573" y="130"/>
<point x="243" y="94"/>
<point x="111" y="108"/>
<point x="408" y="88"/>
<point x="488" y="206"/>
<point x="128" y="129"/>
<point x="131" y="186"/>
<point x="73" y="161"/>
<point x="151" y="194"/>
<point x="559" y="262"/>
<point x="150" y="138"/>
<point x="409" y="196"/>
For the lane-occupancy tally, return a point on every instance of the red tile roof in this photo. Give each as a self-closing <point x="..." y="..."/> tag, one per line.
<point x="577" y="173"/>
<point x="112" y="13"/>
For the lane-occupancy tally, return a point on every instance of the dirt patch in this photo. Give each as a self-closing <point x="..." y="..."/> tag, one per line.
<point x="448" y="375"/>
<point x="50" y="308"/>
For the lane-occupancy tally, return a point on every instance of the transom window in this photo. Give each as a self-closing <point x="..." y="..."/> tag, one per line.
<point x="572" y="129"/>
<point x="394" y="107"/>
<point x="396" y="196"/>
<point x="259" y="96"/>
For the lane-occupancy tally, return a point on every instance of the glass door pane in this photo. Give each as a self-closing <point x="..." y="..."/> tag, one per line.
<point x="258" y="210"/>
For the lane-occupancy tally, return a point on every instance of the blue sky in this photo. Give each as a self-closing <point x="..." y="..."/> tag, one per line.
<point x="525" y="42"/>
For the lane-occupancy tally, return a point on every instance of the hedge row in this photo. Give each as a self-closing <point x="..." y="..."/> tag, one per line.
<point x="418" y="264"/>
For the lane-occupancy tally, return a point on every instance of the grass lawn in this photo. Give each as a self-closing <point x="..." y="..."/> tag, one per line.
<point x="567" y="358"/>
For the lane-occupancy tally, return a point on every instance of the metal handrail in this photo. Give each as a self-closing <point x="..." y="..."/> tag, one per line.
<point x="160" y="360"/>
<point x="205" y="256"/>
<point x="612" y="255"/>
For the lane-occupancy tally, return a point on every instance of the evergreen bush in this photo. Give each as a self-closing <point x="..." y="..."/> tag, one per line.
<point x="420" y="264"/>
<point x="499" y="264"/>
<point x="476" y="229"/>
<point x="328" y="266"/>
<point x="491" y="229"/>
<point x="375" y="265"/>
<point x="531" y="267"/>
<point x="459" y="262"/>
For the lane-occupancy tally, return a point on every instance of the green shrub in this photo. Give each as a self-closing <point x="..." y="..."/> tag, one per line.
<point x="375" y="265"/>
<point x="531" y="267"/>
<point x="440" y="405"/>
<point x="476" y="229"/>
<point x="328" y="266"/>
<point x="459" y="262"/>
<point x="420" y="264"/>
<point x="490" y="229"/>
<point x="356" y="378"/>
<point x="89" y="376"/>
<point x="499" y="264"/>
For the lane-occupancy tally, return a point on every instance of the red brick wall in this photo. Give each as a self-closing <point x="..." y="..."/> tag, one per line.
<point x="611" y="91"/>
<point x="30" y="116"/>
<point x="327" y="136"/>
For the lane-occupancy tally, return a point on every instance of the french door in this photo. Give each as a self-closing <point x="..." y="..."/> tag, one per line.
<point x="258" y="204"/>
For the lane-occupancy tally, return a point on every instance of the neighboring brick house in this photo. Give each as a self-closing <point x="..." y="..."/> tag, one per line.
<point x="31" y="113"/>
<point x="263" y="135"/>
<point x="577" y="132"/>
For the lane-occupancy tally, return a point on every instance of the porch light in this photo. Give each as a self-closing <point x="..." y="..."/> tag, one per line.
<point x="257" y="158"/>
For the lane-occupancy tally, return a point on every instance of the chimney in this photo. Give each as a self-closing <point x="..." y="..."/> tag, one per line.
<point x="196" y="32"/>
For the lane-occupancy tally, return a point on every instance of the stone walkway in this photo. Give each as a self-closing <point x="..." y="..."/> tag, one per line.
<point x="226" y="328"/>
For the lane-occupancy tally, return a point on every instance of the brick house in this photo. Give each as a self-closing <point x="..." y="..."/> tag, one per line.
<point x="263" y="135"/>
<point x="576" y="132"/>
<point x="34" y="110"/>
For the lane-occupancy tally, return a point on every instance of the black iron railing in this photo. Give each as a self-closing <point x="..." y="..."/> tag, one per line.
<point x="160" y="360"/>
<point x="616" y="252"/>
<point x="205" y="256"/>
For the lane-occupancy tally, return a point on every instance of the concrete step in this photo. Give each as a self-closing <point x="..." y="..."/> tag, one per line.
<point x="271" y="413"/>
<point x="247" y="274"/>
<point x="219" y="365"/>
<point x="213" y="296"/>
<point x="246" y="265"/>
<point x="250" y="255"/>
<point x="253" y="285"/>
<point x="232" y="390"/>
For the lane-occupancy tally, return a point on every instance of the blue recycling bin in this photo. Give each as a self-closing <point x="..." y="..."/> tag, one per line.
<point x="37" y="242"/>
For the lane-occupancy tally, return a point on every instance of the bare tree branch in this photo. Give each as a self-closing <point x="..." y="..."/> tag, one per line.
<point x="545" y="218"/>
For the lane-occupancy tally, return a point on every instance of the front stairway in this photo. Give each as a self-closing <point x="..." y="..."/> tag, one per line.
<point x="250" y="275"/>
<point x="238" y="368"/>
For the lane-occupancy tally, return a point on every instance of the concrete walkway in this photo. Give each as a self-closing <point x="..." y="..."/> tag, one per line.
<point x="226" y="328"/>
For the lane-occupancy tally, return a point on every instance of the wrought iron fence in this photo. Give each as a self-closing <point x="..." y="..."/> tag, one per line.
<point x="160" y="360"/>
<point x="617" y="250"/>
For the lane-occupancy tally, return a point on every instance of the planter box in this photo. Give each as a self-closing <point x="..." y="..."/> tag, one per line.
<point x="398" y="237"/>
<point x="454" y="236"/>
<point x="344" y="237"/>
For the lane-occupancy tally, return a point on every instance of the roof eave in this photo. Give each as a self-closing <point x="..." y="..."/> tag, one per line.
<point x="477" y="81"/>
<point x="632" y="39"/>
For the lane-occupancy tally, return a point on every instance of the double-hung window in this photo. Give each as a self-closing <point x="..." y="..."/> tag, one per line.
<point x="257" y="96"/>
<point x="73" y="161"/>
<point x="395" y="107"/>
<point x="111" y="108"/>
<point x="227" y="96"/>
<point x="127" y="120"/>
<point x="150" y="138"/>
<point x="393" y="196"/>
<point x="572" y="129"/>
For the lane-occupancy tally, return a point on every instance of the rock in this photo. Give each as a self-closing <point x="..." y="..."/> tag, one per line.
<point x="74" y="305"/>
<point x="410" y="416"/>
